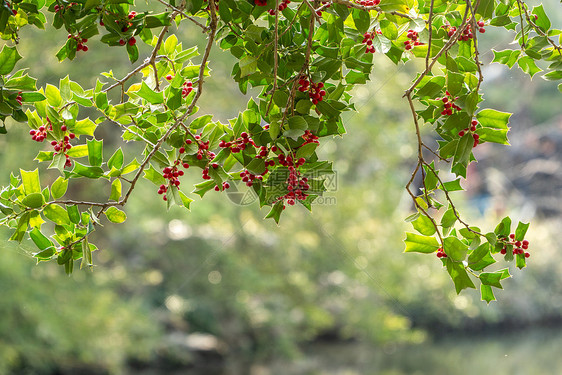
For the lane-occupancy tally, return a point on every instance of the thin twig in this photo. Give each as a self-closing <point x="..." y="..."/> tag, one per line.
<point x="430" y="22"/>
<point x="275" y="57"/>
<point x="183" y="14"/>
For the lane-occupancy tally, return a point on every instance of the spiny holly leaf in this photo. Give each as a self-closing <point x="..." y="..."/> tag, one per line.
<point x="459" y="275"/>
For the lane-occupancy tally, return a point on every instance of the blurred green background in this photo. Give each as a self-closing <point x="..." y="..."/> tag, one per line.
<point x="218" y="290"/>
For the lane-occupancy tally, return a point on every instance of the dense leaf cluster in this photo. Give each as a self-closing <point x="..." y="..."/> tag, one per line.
<point x="305" y="57"/>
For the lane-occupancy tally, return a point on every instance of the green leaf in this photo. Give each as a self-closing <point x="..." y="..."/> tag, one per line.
<point x="185" y="200"/>
<point x="486" y="293"/>
<point x="39" y="239"/>
<point x="449" y="218"/>
<point x="275" y="212"/>
<point x="53" y="96"/>
<point x="86" y="254"/>
<point x="248" y="65"/>
<point x="132" y="52"/>
<point x="153" y="175"/>
<point x="73" y="213"/>
<point x="455" y="249"/>
<point x="507" y="57"/>
<point x="95" y="152"/>
<point x="87" y="171"/>
<point x="486" y="8"/>
<point x="484" y="262"/>
<point x="493" y="135"/>
<point x="85" y="127"/>
<point x="115" y="190"/>
<point x="116" y="160"/>
<point x="420" y="244"/>
<point x="115" y="215"/>
<point x="150" y="95"/>
<point x="491" y="118"/>
<point x="504" y="227"/>
<point x="33" y="200"/>
<point x="21" y="228"/>
<point x="30" y="181"/>
<point x="424" y="225"/>
<point x="389" y="29"/>
<point x="432" y="88"/>
<point x="521" y="231"/>
<point x="477" y="254"/>
<point x="9" y="56"/>
<point x="454" y="185"/>
<point x="553" y="76"/>
<point x="542" y="20"/>
<point x="56" y="214"/>
<point x="527" y="65"/>
<point x="491" y="278"/>
<point x="459" y="276"/>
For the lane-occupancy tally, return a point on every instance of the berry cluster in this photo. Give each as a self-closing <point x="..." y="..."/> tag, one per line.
<point x="63" y="145"/>
<point x="14" y="12"/>
<point x="368" y="41"/>
<point x="238" y="144"/>
<point x="369" y="3"/>
<point x="59" y="8"/>
<point x="132" y="41"/>
<point x="467" y="33"/>
<point x="172" y="174"/>
<point x="186" y="89"/>
<point x="309" y="138"/>
<point x="471" y="129"/>
<point x="203" y="150"/>
<point x="315" y="90"/>
<point x="448" y="104"/>
<point x="519" y="246"/>
<point x="225" y="185"/>
<point x="413" y="36"/>
<point x="282" y="6"/>
<point x="248" y="177"/>
<point x="296" y="184"/>
<point x="40" y="134"/>
<point x="441" y="253"/>
<point x="81" y="46"/>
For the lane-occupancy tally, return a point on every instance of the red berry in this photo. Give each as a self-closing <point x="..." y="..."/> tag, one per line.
<point x="185" y="165"/>
<point x="132" y="41"/>
<point x="503" y="251"/>
<point x="527" y="255"/>
<point x="72" y="135"/>
<point x="517" y="243"/>
<point x="122" y="42"/>
<point x="169" y="77"/>
<point x="512" y="236"/>
<point x="461" y="133"/>
<point x="525" y="243"/>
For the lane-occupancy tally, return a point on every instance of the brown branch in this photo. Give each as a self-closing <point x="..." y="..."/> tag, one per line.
<point x="275" y="57"/>
<point x="444" y="49"/>
<point x="430" y="22"/>
<point x="303" y="69"/>
<point x="185" y="15"/>
<point x="540" y="32"/>
<point x="210" y="39"/>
